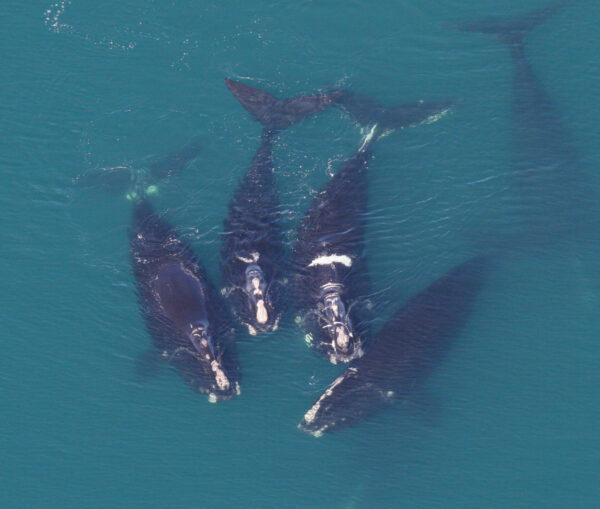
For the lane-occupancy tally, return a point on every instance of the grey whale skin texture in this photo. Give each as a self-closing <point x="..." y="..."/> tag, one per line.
<point x="330" y="285"/>
<point x="553" y="192"/>
<point x="184" y="312"/>
<point x="253" y="263"/>
<point x="403" y="354"/>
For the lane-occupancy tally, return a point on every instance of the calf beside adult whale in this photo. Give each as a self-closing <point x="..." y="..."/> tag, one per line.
<point x="331" y="284"/>
<point x="253" y="264"/>
<point x="403" y="354"/>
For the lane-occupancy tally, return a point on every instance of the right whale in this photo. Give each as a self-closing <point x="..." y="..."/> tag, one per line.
<point x="403" y="354"/>
<point x="552" y="192"/>
<point x="253" y="264"/>
<point x="184" y="312"/>
<point x="331" y="285"/>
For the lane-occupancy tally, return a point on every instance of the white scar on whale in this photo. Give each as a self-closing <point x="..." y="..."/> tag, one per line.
<point x="328" y="260"/>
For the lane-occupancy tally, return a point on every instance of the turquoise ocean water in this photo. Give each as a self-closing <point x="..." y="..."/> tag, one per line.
<point x="514" y="413"/>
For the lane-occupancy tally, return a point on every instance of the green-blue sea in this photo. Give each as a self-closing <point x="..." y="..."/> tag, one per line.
<point x="513" y="413"/>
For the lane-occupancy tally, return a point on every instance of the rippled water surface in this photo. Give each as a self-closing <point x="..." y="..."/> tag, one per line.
<point x="511" y="417"/>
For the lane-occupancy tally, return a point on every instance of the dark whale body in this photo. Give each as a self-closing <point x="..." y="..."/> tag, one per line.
<point x="403" y="354"/>
<point x="552" y="191"/>
<point x="331" y="284"/>
<point x="253" y="264"/>
<point x="184" y="312"/>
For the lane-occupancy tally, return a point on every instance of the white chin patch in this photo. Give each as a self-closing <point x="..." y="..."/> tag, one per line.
<point x="261" y="312"/>
<point x="220" y="377"/>
<point x="342" y="340"/>
<point x="331" y="259"/>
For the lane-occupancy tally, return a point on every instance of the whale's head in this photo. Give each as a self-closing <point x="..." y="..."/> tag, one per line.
<point x="203" y="365"/>
<point x="347" y="400"/>
<point x="257" y="311"/>
<point x="341" y="342"/>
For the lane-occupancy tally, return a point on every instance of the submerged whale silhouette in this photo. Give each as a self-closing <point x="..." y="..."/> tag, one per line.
<point x="553" y="192"/>
<point x="402" y="354"/>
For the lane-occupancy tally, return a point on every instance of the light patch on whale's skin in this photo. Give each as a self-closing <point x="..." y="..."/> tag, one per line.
<point x="437" y="116"/>
<point x="262" y="316"/>
<point x="276" y="324"/>
<point x="368" y="137"/>
<point x="311" y="414"/>
<point x="220" y="377"/>
<point x="331" y="259"/>
<point x="253" y="258"/>
<point x="336" y="357"/>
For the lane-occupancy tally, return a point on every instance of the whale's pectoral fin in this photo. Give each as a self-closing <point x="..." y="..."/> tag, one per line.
<point x="368" y="113"/>
<point x="274" y="114"/>
<point x="119" y="179"/>
<point x="176" y="161"/>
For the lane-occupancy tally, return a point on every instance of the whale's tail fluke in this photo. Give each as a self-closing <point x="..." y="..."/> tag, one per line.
<point x="276" y="114"/>
<point x="512" y="30"/>
<point x="368" y="112"/>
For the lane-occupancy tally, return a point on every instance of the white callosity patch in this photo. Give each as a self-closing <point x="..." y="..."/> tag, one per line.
<point x="261" y="312"/>
<point x="253" y="258"/>
<point x="220" y="377"/>
<point x="310" y="415"/>
<point x="343" y="339"/>
<point x="331" y="259"/>
<point x="434" y="118"/>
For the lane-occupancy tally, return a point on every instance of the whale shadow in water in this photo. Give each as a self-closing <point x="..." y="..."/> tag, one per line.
<point x="331" y="285"/>
<point x="553" y="193"/>
<point x="402" y="355"/>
